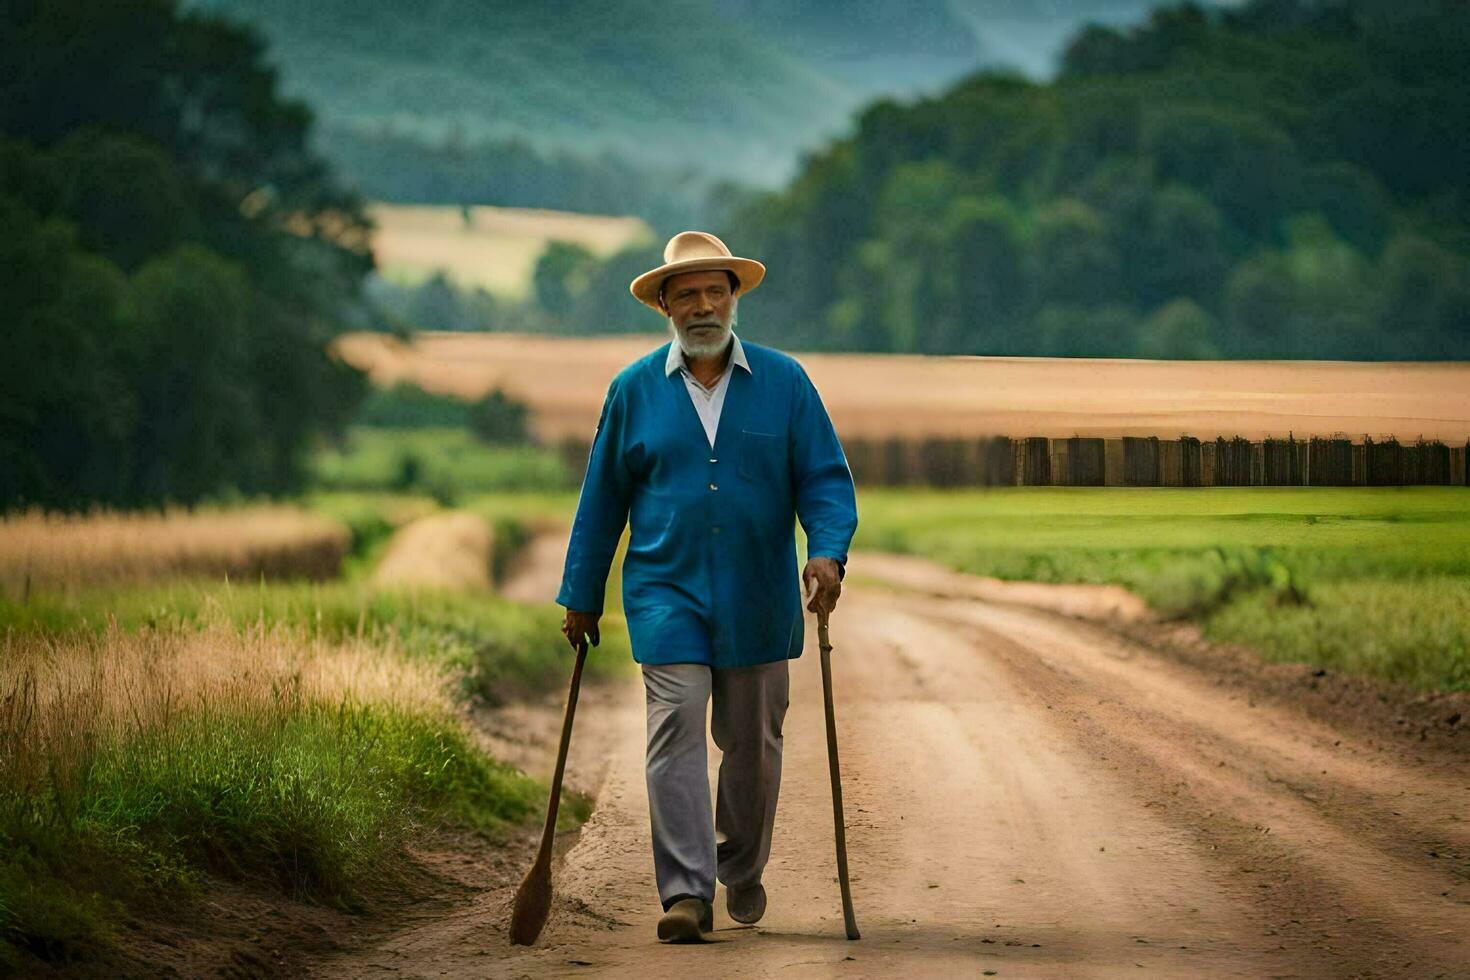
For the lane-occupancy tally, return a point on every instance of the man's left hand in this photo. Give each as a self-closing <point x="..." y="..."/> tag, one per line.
<point x="821" y="583"/>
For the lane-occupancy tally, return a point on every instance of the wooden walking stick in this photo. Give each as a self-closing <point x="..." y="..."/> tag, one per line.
<point x="533" y="898"/>
<point x="848" y="919"/>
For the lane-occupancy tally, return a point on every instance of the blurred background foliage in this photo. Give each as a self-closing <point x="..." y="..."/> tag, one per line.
<point x="1285" y="179"/>
<point x="1274" y="179"/>
<point x="174" y="265"/>
<point x="1277" y="179"/>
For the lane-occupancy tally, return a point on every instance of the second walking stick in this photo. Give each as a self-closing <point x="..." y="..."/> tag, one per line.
<point x="848" y="919"/>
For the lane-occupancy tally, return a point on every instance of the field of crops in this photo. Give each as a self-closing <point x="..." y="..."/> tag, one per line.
<point x="872" y="396"/>
<point x="1372" y="581"/>
<point x="487" y="247"/>
<point x="45" y="551"/>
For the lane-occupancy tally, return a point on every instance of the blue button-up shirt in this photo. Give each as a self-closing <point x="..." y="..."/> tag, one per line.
<point x="710" y="572"/>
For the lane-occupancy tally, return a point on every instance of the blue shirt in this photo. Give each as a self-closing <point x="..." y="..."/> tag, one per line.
<point x="710" y="572"/>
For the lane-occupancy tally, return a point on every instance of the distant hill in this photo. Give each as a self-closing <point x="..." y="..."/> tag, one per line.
<point x="569" y="100"/>
<point x="869" y="46"/>
<point x="1029" y="35"/>
<point x="664" y="84"/>
<point x="1283" y="178"/>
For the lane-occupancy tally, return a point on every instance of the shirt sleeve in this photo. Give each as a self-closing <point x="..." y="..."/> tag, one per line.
<point x="826" y="501"/>
<point x="602" y="512"/>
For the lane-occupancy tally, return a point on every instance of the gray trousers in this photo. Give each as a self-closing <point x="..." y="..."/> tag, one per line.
<point x="749" y="707"/>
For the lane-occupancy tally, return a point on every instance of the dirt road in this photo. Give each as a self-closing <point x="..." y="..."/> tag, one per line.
<point x="1028" y="795"/>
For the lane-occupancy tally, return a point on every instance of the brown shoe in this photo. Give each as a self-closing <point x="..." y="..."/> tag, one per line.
<point x="746" y="904"/>
<point x="686" y="921"/>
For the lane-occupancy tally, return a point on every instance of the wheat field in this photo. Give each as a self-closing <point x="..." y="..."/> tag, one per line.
<point x="61" y="695"/>
<point x="40" y="550"/>
<point x="494" y="248"/>
<point x="877" y="396"/>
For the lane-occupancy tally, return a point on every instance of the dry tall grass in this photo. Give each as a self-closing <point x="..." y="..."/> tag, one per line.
<point x="64" y="698"/>
<point x="442" y="551"/>
<point x="39" y="550"/>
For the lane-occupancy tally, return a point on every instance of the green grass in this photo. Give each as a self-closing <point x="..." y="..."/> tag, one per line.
<point x="502" y="649"/>
<point x="1373" y="581"/>
<point x="316" y="799"/>
<point x="313" y="797"/>
<point x="447" y="464"/>
<point x="543" y="508"/>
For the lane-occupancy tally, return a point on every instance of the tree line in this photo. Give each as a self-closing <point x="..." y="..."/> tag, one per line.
<point x="175" y="262"/>
<point x="1289" y="178"/>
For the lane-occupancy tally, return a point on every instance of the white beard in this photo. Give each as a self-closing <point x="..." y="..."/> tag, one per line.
<point x="706" y="348"/>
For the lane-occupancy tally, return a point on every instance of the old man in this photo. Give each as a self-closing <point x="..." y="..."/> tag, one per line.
<point x="710" y="449"/>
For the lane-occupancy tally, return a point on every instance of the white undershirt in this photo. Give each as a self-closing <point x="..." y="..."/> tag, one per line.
<point x="708" y="402"/>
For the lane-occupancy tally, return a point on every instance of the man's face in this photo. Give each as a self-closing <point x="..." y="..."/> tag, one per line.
<point x="701" y="309"/>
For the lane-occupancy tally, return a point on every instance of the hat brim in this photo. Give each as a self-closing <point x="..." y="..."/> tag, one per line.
<point x="748" y="271"/>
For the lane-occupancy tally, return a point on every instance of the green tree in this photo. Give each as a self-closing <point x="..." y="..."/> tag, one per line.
<point x="984" y="247"/>
<point x="66" y="409"/>
<point x="1179" y="249"/>
<point x="1178" y="330"/>
<point x="1425" y="299"/>
<point x="499" y="419"/>
<point x="1240" y="162"/>
<point x="1072" y="261"/>
<point x="562" y="274"/>
<point x="177" y="261"/>
<point x="1259" y="300"/>
<point x="187" y="344"/>
<point x="436" y="305"/>
<point x="1084" y="331"/>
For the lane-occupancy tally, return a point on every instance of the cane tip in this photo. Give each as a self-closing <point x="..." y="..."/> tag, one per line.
<point x="532" y="907"/>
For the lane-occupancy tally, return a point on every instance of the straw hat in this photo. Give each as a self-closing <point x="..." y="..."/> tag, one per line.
<point x="695" y="251"/>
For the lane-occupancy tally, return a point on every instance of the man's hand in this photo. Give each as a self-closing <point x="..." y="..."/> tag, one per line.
<point x="821" y="583"/>
<point x="578" y="627"/>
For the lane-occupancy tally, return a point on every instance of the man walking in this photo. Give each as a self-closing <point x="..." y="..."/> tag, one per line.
<point x="710" y="449"/>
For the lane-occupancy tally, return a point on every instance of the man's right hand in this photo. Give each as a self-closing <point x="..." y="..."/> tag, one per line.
<point x="578" y="627"/>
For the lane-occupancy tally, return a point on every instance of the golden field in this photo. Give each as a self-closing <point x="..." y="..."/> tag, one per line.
<point x="39" y="550"/>
<point x="63" y="694"/>
<point x="876" y="396"/>
<point x="496" y="249"/>
<point x="455" y="550"/>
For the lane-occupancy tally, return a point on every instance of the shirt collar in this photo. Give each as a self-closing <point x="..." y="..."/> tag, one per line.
<point x="675" y="360"/>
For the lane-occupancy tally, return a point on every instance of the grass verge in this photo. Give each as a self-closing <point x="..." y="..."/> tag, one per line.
<point x="1372" y="581"/>
<point x="500" y="650"/>
<point x="447" y="464"/>
<point x="137" y="762"/>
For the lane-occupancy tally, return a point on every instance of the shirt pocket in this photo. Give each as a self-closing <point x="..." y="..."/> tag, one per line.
<point x="762" y="456"/>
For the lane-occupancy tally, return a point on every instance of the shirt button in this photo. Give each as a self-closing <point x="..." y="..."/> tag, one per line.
<point x="714" y="486"/>
<point x="713" y="460"/>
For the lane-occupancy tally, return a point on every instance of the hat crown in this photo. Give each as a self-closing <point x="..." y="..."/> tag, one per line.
<point x="695" y="251"/>
<point x="694" y="245"/>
